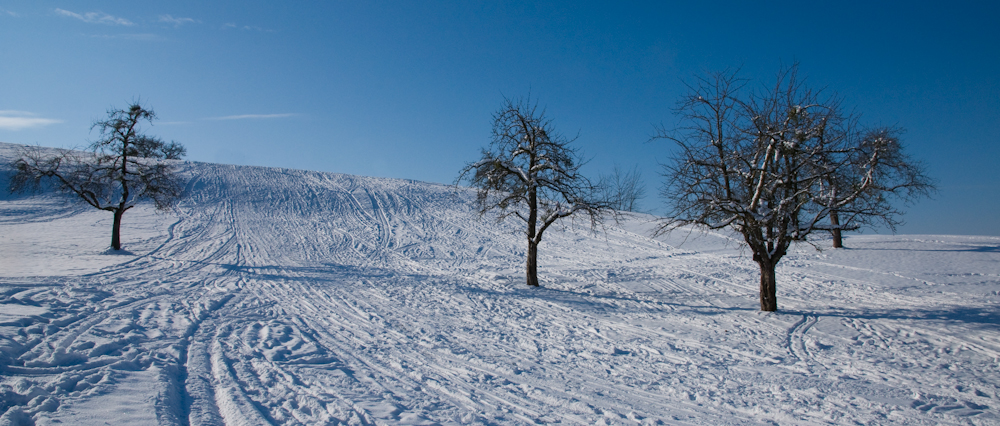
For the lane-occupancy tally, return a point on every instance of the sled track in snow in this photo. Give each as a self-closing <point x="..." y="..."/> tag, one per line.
<point x="796" y="338"/>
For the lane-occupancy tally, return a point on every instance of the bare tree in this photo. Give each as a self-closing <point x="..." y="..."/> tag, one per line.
<point x="121" y="168"/>
<point x="891" y="175"/>
<point x="623" y="188"/>
<point x="776" y="165"/>
<point x="530" y="172"/>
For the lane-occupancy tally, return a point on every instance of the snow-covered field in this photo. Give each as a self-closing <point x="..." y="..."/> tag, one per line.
<point x="273" y="296"/>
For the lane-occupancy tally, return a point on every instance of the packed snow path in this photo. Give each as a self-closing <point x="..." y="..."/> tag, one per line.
<point x="275" y="296"/>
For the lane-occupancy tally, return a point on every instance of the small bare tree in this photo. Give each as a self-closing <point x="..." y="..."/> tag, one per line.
<point x="530" y="172"/>
<point x="778" y="164"/>
<point x="623" y="188"/>
<point x="121" y="168"/>
<point x="878" y="161"/>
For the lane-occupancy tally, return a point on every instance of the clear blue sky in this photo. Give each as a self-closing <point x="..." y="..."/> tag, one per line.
<point x="406" y="89"/>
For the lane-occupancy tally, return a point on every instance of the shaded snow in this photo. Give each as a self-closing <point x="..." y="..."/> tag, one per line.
<point x="272" y="296"/>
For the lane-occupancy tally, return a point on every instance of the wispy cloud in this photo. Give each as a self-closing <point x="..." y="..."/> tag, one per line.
<point x="140" y="37"/>
<point x="96" y="18"/>
<point x="176" y="22"/>
<point x="230" y="25"/>
<point x="9" y="13"/>
<point x="252" y="116"/>
<point x="17" y="120"/>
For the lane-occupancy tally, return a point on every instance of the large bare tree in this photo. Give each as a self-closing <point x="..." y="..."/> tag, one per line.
<point x="530" y="172"/>
<point x="121" y="168"/>
<point x="777" y="164"/>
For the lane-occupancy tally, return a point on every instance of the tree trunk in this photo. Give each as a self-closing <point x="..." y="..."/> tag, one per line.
<point x="838" y="241"/>
<point x="116" y="242"/>
<point x="532" y="266"/>
<point x="768" y="289"/>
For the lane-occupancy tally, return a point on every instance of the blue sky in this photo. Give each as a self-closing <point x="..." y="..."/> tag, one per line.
<point x="406" y="89"/>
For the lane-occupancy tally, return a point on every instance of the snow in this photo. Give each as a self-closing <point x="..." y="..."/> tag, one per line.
<point x="274" y="296"/>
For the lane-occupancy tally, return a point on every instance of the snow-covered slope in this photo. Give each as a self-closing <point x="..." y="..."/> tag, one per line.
<point x="273" y="296"/>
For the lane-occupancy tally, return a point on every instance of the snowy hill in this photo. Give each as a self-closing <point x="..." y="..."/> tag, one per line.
<point x="272" y="296"/>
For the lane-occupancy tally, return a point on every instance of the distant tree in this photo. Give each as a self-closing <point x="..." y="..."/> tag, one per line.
<point x="623" y="188"/>
<point x="530" y="172"/>
<point x="778" y="164"/>
<point x="121" y="168"/>
<point x="879" y="162"/>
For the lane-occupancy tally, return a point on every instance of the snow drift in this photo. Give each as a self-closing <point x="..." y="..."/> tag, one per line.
<point x="273" y="296"/>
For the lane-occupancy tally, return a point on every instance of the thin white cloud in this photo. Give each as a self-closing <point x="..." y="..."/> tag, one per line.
<point x="140" y="36"/>
<point x="17" y="120"/>
<point x="9" y="13"/>
<point x="252" y="116"/>
<point x="96" y="18"/>
<point x="230" y="25"/>
<point x="176" y="22"/>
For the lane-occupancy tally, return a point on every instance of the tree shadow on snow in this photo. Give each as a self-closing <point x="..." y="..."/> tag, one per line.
<point x="327" y="272"/>
<point x="975" y="316"/>
<point x="604" y="302"/>
<point x="310" y="274"/>
<point x="973" y="249"/>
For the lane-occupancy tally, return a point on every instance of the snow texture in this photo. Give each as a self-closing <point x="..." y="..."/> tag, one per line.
<point x="273" y="296"/>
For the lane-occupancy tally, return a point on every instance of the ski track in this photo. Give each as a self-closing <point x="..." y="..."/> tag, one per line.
<point x="273" y="296"/>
